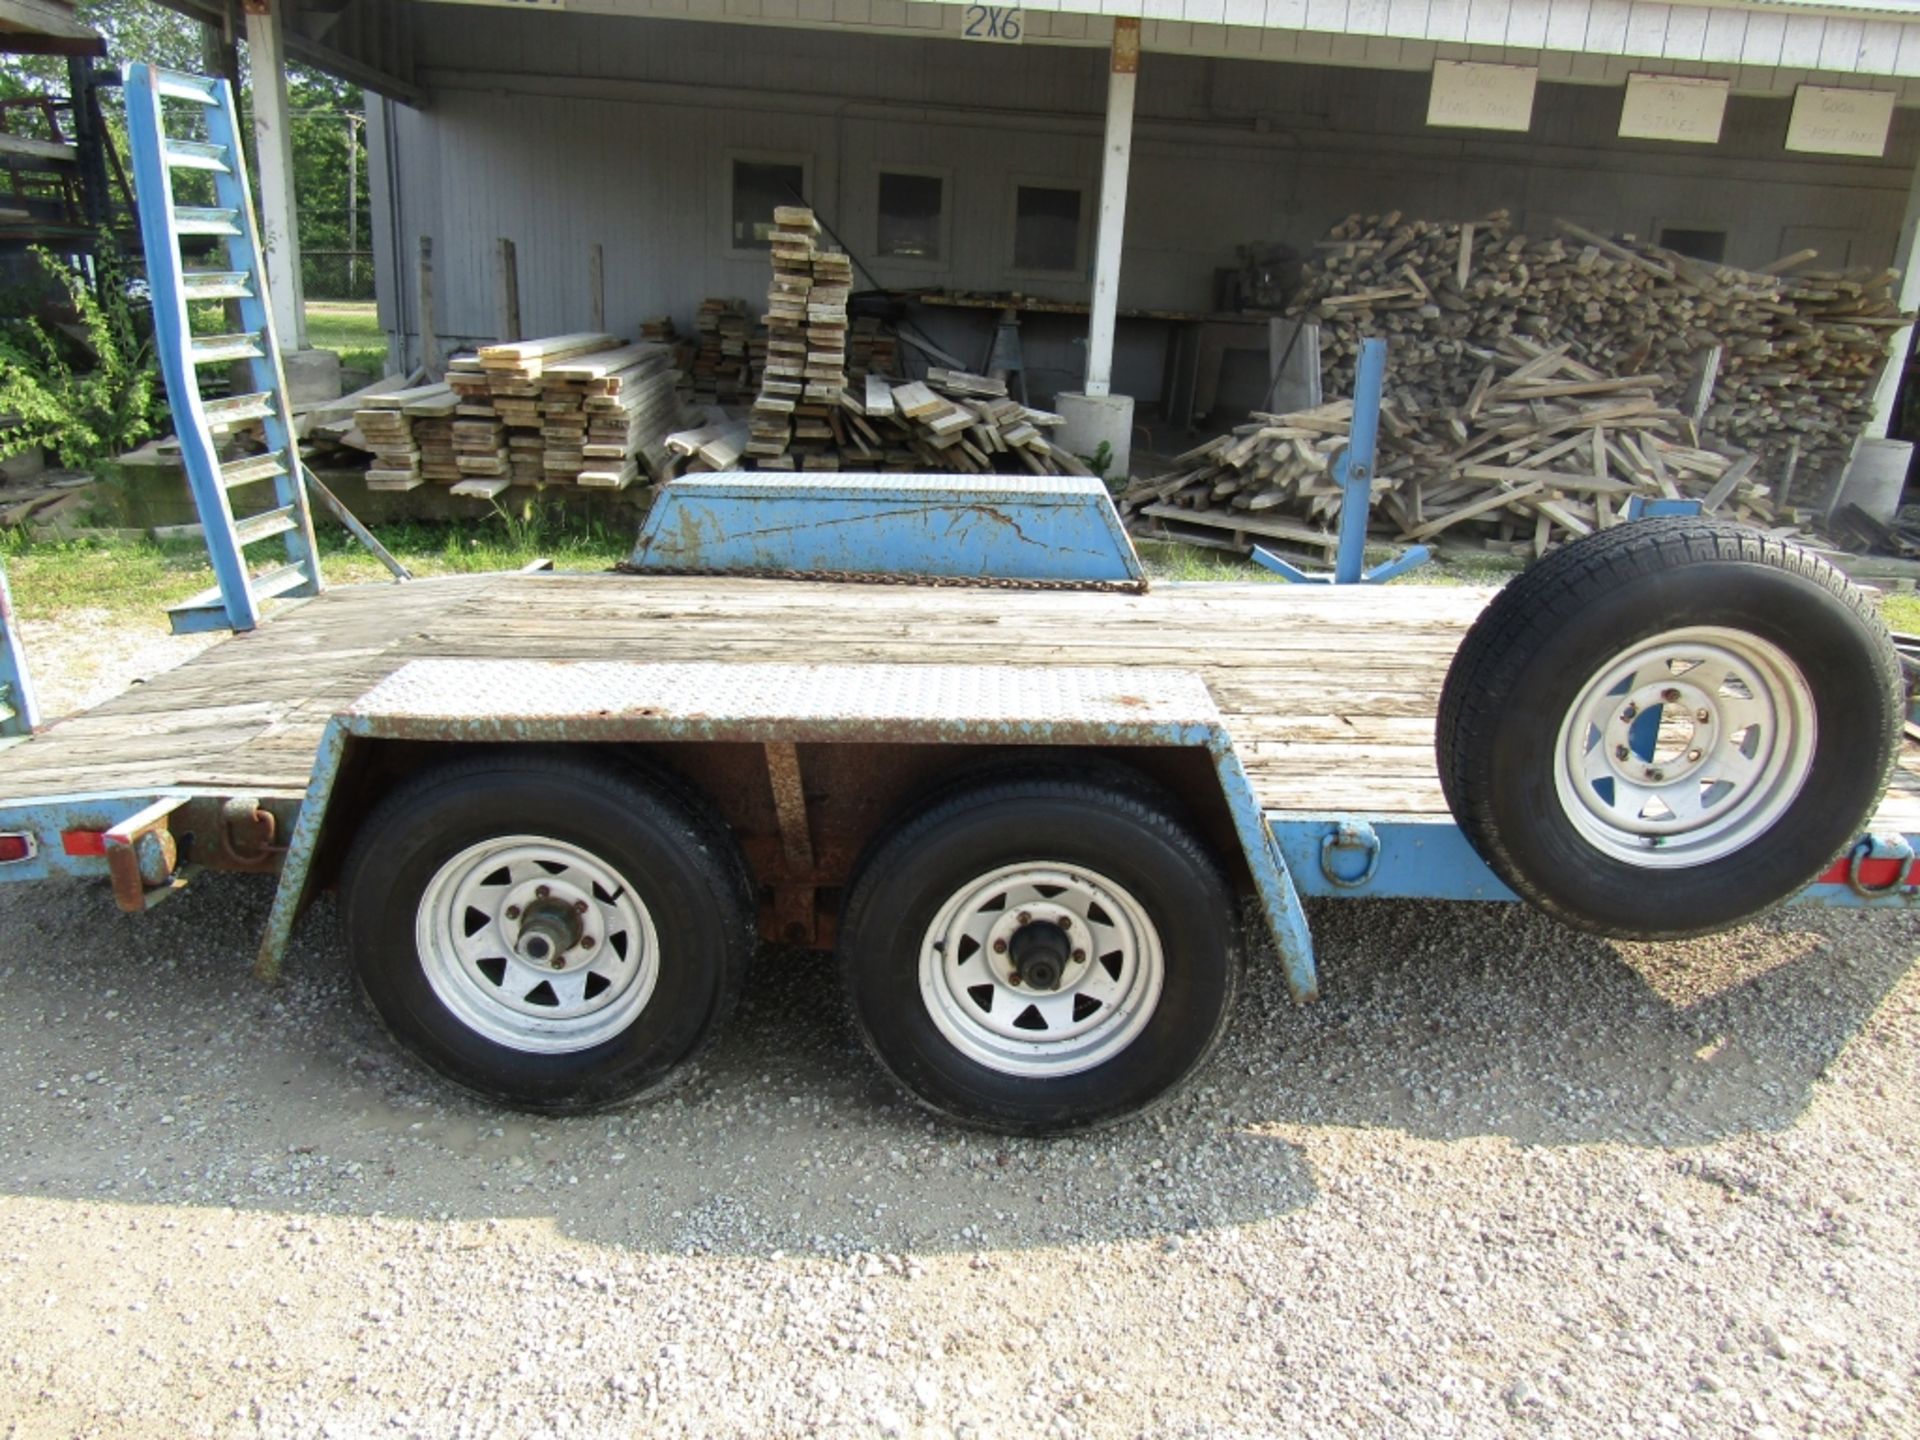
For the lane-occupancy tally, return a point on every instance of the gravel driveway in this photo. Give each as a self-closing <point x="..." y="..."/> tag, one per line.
<point x="1503" y="1180"/>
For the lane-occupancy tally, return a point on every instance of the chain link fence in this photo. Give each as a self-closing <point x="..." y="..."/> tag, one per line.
<point x="337" y="274"/>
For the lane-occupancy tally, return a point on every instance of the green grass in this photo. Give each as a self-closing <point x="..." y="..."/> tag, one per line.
<point x="350" y="330"/>
<point x="1902" y="611"/>
<point x="136" y="579"/>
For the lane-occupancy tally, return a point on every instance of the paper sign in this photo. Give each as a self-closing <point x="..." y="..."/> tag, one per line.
<point x="1840" y="122"/>
<point x="1674" y="107"/>
<point x="1482" y="97"/>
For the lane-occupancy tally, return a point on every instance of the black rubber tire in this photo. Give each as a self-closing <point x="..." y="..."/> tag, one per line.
<point x="1542" y="639"/>
<point x="1115" y="824"/>
<point x="675" y="852"/>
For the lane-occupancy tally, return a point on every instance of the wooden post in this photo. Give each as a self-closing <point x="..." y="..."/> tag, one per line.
<point x="1123" y="77"/>
<point x="596" y="289"/>
<point x="273" y="152"/>
<point x="509" y="293"/>
<point x="429" y="334"/>
<point x="1906" y="259"/>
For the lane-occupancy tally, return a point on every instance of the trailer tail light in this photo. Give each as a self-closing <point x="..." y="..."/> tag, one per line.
<point x="83" y="842"/>
<point x="15" y="847"/>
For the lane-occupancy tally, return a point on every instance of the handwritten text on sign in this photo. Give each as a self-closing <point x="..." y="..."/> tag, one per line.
<point x="996" y="24"/>
<point x="1674" y="107"/>
<point x="1840" y="122"/>
<point x="1482" y="97"/>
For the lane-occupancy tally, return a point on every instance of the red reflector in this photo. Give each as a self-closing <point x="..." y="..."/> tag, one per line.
<point x="14" y="848"/>
<point x="83" y="842"/>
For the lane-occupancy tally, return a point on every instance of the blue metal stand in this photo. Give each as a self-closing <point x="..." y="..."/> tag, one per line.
<point x="234" y="602"/>
<point x="19" y="714"/>
<point x="1354" y="469"/>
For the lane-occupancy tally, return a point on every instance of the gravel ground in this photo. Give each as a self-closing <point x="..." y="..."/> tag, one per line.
<point x="1503" y="1180"/>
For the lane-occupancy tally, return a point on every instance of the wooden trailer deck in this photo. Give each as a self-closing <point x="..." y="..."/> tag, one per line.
<point x="1330" y="694"/>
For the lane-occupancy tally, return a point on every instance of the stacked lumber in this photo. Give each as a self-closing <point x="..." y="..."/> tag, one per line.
<point x="1780" y="365"/>
<point x="872" y="349"/>
<point x="607" y="412"/>
<point x="388" y="423"/>
<point x="951" y="421"/>
<point x="581" y="409"/>
<point x="1543" y="448"/>
<point x="794" y="418"/>
<point x="722" y="369"/>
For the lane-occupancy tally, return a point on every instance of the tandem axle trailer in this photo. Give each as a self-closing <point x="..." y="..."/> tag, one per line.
<point x="561" y="808"/>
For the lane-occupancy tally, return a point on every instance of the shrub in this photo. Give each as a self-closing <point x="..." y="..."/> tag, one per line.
<point x="86" y="399"/>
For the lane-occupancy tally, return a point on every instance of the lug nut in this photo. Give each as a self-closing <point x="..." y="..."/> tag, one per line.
<point x="1066" y="923"/>
<point x="1620" y="752"/>
<point x="1629" y="712"/>
<point x="1703" y="715"/>
<point x="586" y="942"/>
<point x="1693" y="754"/>
<point x="542" y="891"/>
<point x="1656" y="774"/>
<point x="558" y="962"/>
<point x="513" y="912"/>
<point x="1024" y="918"/>
<point x="999" y="947"/>
<point x="1079" y="955"/>
<point x="579" y="907"/>
<point x="1670" y="695"/>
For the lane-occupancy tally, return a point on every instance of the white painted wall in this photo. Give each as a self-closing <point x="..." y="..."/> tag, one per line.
<point x="565" y="131"/>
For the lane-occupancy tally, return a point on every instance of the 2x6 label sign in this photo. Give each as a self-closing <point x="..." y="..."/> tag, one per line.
<point x="995" y="24"/>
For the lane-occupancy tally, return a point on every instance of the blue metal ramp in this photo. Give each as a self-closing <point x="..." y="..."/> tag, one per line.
<point x="18" y="712"/>
<point x="230" y="232"/>
<point x="1033" y="530"/>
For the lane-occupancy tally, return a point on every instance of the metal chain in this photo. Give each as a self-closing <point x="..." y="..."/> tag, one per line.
<point x="867" y="577"/>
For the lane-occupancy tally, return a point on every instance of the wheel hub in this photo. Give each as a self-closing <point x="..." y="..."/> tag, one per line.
<point x="537" y="944"/>
<point x="1041" y="970"/>
<point x="549" y="931"/>
<point x="1040" y="952"/>
<point x="1685" y="747"/>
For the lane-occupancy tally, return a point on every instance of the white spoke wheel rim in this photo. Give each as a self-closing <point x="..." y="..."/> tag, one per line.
<point x="1686" y="748"/>
<point x="1112" y="970"/>
<point x="537" y="944"/>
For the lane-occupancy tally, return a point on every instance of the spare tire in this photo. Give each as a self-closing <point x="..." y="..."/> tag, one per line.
<point x="1669" y="727"/>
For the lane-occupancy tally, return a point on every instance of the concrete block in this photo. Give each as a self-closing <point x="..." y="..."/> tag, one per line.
<point x="311" y="375"/>
<point x="23" y="466"/>
<point x="1091" y="419"/>
<point x="1877" y="477"/>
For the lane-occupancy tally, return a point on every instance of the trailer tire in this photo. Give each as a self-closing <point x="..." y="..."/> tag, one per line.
<point x="1669" y="727"/>
<point x="1036" y="863"/>
<point x="557" y="934"/>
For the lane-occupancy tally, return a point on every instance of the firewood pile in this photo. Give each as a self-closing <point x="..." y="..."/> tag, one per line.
<point x="582" y="409"/>
<point x="1542" y="448"/>
<point x="1798" y="354"/>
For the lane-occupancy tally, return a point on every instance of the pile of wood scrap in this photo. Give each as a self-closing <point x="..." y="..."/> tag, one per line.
<point x="583" y="409"/>
<point x="1543" y="448"/>
<point x="1781" y="362"/>
<point x="806" y="368"/>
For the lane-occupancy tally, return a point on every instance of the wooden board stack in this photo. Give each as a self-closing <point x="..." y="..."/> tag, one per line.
<point x="606" y="411"/>
<point x="793" y="423"/>
<point x="1543" y="448"/>
<point x="404" y="457"/>
<point x="722" y="369"/>
<point x="1797" y="355"/>
<point x="580" y="409"/>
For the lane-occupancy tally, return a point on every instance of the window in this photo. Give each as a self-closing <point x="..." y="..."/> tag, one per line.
<point x="758" y="186"/>
<point x="1696" y="244"/>
<point x="911" y="215"/>
<point x="1046" y="228"/>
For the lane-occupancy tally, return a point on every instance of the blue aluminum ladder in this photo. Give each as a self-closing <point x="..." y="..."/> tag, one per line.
<point x="234" y="601"/>
<point x="18" y="712"/>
